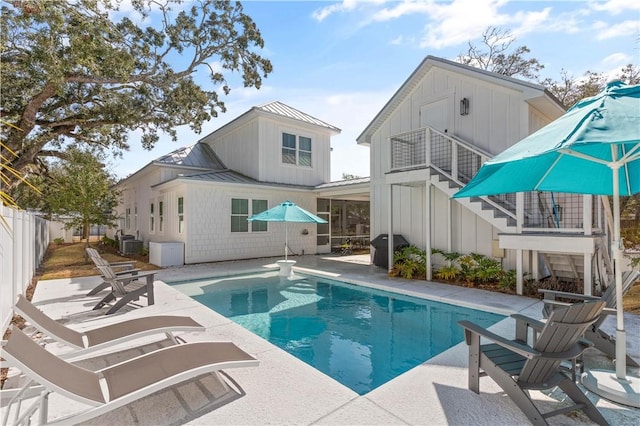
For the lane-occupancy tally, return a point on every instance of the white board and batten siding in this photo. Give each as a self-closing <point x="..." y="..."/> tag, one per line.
<point x="499" y="116"/>
<point x="255" y="150"/>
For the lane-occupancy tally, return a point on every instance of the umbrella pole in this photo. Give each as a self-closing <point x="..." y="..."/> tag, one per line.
<point x="619" y="387"/>
<point x="621" y="338"/>
<point x="286" y="241"/>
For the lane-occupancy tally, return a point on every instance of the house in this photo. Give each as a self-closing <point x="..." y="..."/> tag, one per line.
<point x="196" y="200"/>
<point x="430" y="139"/>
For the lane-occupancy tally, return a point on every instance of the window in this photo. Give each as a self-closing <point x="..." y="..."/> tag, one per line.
<point x="180" y="215"/>
<point x="240" y="213"/>
<point x="127" y="218"/>
<point x="288" y="148"/>
<point x="296" y="150"/>
<point x="304" y="154"/>
<point x="151" y="217"/>
<point x="135" y="217"/>
<point x="160" y="215"/>
<point x="258" y="206"/>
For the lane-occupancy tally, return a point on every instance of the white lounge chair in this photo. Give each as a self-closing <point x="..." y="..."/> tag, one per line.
<point x="111" y="387"/>
<point x="100" y="338"/>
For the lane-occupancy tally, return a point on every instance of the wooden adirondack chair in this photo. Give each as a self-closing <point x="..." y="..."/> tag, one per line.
<point x="517" y="367"/>
<point x="125" y="288"/>
<point x="602" y="340"/>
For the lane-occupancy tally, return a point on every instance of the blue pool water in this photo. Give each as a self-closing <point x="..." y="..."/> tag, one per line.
<point x="359" y="336"/>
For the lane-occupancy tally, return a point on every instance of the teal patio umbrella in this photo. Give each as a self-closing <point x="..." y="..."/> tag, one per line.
<point x="592" y="149"/>
<point x="287" y="212"/>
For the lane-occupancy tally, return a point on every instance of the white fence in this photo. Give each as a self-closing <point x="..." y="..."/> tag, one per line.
<point x="23" y="242"/>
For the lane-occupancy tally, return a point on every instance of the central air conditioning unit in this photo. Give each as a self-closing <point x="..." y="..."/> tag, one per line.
<point x="132" y="246"/>
<point x="124" y="238"/>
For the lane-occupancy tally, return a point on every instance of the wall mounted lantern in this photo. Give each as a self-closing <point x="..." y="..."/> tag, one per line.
<point x="464" y="106"/>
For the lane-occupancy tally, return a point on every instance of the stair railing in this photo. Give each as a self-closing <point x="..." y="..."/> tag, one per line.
<point x="453" y="158"/>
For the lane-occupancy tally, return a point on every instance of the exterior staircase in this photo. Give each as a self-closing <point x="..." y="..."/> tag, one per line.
<point x="448" y="163"/>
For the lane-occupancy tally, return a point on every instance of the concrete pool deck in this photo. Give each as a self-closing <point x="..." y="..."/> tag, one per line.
<point x="285" y="390"/>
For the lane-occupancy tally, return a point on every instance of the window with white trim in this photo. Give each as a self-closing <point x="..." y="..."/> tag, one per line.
<point x="152" y="217"/>
<point x="258" y="206"/>
<point x="296" y="150"/>
<point x="160" y="215"/>
<point x="180" y="215"/>
<point x="127" y="218"/>
<point x="242" y="209"/>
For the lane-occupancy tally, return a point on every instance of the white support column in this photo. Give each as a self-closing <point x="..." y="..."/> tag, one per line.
<point x="588" y="277"/>
<point x="427" y="228"/>
<point x="519" y="272"/>
<point x="519" y="254"/>
<point x="587" y="214"/>
<point x="449" y="230"/>
<point x="519" y="211"/>
<point x="390" y="230"/>
<point x="535" y="265"/>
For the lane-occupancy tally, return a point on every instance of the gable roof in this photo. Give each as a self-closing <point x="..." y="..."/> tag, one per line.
<point x="533" y="90"/>
<point x="275" y="108"/>
<point x="278" y="108"/>
<point x="199" y="155"/>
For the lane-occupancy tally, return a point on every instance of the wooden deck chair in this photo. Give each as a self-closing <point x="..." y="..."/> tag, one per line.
<point x="602" y="340"/>
<point x="120" y="268"/>
<point x="125" y="288"/>
<point x="517" y="367"/>
<point x="111" y="387"/>
<point x="85" y="342"/>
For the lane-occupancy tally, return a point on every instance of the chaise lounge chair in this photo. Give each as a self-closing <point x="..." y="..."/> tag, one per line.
<point x="124" y="267"/>
<point x="602" y="340"/>
<point x="517" y="367"/>
<point x="103" y="337"/>
<point x="124" y="288"/>
<point x="114" y="386"/>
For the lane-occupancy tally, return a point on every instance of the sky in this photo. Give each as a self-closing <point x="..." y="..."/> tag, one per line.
<point x="341" y="61"/>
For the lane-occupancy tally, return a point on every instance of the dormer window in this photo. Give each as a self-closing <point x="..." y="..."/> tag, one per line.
<point x="296" y="150"/>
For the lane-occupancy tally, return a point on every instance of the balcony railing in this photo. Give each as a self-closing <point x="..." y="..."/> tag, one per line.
<point x="459" y="161"/>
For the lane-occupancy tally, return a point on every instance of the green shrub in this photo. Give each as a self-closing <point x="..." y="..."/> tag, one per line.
<point x="508" y="280"/>
<point x="58" y="240"/>
<point x="409" y="262"/>
<point x="448" y="273"/>
<point x="110" y="242"/>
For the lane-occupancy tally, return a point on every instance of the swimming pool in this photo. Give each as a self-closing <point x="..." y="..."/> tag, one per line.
<point x="359" y="336"/>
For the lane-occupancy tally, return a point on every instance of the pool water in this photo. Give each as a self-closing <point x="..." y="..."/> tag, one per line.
<point x="359" y="336"/>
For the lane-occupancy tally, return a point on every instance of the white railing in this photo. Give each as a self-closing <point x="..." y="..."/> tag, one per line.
<point x="459" y="161"/>
<point x="23" y="241"/>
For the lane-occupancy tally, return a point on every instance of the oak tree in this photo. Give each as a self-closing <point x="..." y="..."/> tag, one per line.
<point x="74" y="75"/>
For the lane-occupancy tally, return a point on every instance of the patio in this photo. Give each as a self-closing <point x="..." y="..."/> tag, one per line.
<point x="285" y="390"/>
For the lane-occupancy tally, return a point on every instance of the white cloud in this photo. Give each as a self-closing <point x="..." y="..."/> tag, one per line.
<point x="461" y="20"/>
<point x="617" y="59"/>
<point x="606" y="30"/>
<point x="614" y="7"/>
<point x="324" y="12"/>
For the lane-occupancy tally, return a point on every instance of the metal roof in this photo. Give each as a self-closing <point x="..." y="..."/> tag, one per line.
<point x="230" y="176"/>
<point x="283" y="110"/>
<point x="341" y="183"/>
<point x="199" y="155"/>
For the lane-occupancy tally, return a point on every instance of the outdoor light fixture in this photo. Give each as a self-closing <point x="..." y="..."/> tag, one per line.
<point x="464" y="106"/>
